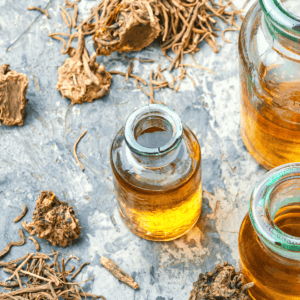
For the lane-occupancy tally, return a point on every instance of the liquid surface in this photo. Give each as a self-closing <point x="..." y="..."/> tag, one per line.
<point x="154" y="137"/>
<point x="275" y="278"/>
<point x="287" y="219"/>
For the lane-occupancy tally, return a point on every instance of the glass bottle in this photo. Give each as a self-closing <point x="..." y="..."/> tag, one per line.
<point x="156" y="163"/>
<point x="269" y="238"/>
<point x="269" y="52"/>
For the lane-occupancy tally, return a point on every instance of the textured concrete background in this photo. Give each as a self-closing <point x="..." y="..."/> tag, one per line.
<point x="38" y="156"/>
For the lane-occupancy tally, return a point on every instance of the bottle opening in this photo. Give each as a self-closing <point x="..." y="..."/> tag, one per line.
<point x="153" y="132"/>
<point x="293" y="6"/>
<point x="275" y="210"/>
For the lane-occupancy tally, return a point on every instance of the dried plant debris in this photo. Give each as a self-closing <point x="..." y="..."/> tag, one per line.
<point x="37" y="246"/>
<point x="44" y="11"/>
<point x="81" y="78"/>
<point x="126" y="25"/>
<point x="42" y="280"/>
<point x="53" y="220"/>
<point x="19" y="243"/>
<point x="13" y="87"/>
<point x="74" y="151"/>
<point x="223" y="283"/>
<point x="117" y="272"/>
<point x="21" y="216"/>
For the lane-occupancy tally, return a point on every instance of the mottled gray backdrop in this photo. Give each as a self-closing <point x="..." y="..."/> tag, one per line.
<point x="38" y="156"/>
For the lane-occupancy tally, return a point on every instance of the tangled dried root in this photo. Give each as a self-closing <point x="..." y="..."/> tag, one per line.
<point x="126" y="25"/>
<point x="13" y="87"/>
<point x="54" y="220"/>
<point x="80" y="78"/>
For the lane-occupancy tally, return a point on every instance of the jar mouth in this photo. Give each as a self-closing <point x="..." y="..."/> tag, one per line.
<point x="277" y="189"/>
<point x="282" y="20"/>
<point x="159" y="118"/>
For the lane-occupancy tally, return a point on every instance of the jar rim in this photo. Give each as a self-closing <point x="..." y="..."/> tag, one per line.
<point x="278" y="241"/>
<point x="153" y="110"/>
<point x="281" y="16"/>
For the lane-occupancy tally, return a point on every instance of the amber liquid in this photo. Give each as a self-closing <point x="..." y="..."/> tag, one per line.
<point x="160" y="215"/>
<point x="271" y="130"/>
<point x="275" y="277"/>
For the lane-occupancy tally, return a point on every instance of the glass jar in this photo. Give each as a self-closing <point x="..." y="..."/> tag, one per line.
<point x="269" y="52"/>
<point x="156" y="163"/>
<point x="269" y="238"/>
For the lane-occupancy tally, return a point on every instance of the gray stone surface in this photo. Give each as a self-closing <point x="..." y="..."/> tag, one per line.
<point x="38" y="156"/>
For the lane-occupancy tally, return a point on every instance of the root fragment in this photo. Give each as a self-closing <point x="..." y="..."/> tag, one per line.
<point x="79" y="270"/>
<point x="74" y="151"/>
<point x="44" y="11"/>
<point x="37" y="246"/>
<point x="20" y="217"/>
<point x="19" y="243"/>
<point x="110" y="266"/>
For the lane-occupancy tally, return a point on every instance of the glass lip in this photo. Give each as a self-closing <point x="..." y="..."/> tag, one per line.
<point x="280" y="242"/>
<point x="280" y="15"/>
<point x="157" y="110"/>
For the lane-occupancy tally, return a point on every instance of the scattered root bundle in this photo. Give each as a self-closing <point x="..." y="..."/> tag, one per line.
<point x="81" y="78"/>
<point x="43" y="281"/>
<point x="53" y="220"/>
<point x="222" y="283"/>
<point x="13" y="88"/>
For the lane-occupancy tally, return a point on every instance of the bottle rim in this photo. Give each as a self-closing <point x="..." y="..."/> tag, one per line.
<point x="282" y="20"/>
<point x="261" y="217"/>
<point x="150" y="111"/>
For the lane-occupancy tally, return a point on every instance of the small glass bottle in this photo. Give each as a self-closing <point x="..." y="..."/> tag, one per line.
<point x="269" y="50"/>
<point x="156" y="162"/>
<point x="269" y="238"/>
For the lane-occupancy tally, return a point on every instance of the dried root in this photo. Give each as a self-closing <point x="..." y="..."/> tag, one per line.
<point x="126" y="25"/>
<point x="54" y="220"/>
<point x="74" y="151"/>
<point x="13" y="87"/>
<point x="37" y="246"/>
<point x="80" y="78"/>
<point x="20" y="243"/>
<point x="110" y="266"/>
<point x="21" y="216"/>
<point x="44" y="11"/>
<point x="44" y="282"/>
<point x="222" y="283"/>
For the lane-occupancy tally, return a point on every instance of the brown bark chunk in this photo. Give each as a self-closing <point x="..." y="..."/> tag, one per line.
<point x="110" y="266"/>
<point x="130" y="26"/>
<point x="223" y="283"/>
<point x="13" y="87"/>
<point x="54" y="220"/>
<point x="80" y="78"/>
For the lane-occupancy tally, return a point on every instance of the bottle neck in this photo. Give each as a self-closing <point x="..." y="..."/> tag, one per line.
<point x="153" y="135"/>
<point x="281" y="24"/>
<point x="277" y="191"/>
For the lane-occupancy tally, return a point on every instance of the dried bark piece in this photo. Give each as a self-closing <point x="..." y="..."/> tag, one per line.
<point x="223" y="283"/>
<point x="13" y="87"/>
<point x="37" y="246"/>
<point x="25" y="209"/>
<point x="110" y="266"/>
<point x="81" y="78"/>
<point x="44" y="11"/>
<point x="54" y="220"/>
<point x="19" y="243"/>
<point x="128" y="25"/>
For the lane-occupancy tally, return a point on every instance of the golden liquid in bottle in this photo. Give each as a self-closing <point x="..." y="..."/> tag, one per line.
<point x="271" y="135"/>
<point x="160" y="215"/>
<point x="275" y="277"/>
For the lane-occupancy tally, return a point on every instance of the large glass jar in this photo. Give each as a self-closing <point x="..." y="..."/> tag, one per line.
<point x="269" y="239"/>
<point x="156" y="162"/>
<point x="269" y="48"/>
